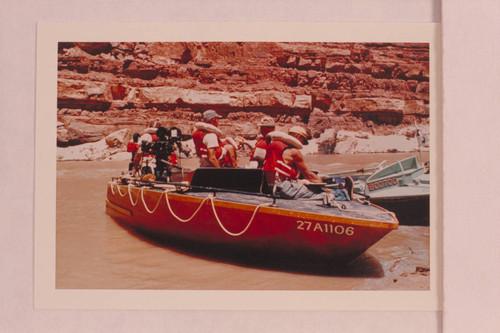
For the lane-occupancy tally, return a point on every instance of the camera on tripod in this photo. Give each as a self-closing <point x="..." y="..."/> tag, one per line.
<point x="163" y="149"/>
<point x="165" y="146"/>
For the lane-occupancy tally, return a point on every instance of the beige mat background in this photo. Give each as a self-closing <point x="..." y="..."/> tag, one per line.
<point x="471" y="82"/>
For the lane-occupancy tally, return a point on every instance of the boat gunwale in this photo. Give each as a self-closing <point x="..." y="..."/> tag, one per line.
<point x="273" y="210"/>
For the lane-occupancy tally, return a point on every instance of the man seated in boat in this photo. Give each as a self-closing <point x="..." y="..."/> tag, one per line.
<point x="284" y="162"/>
<point x="258" y="154"/>
<point x="210" y="148"/>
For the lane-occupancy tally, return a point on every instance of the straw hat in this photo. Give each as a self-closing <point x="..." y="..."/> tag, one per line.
<point x="300" y="131"/>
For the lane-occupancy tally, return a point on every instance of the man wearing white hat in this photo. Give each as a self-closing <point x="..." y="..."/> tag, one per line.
<point x="211" y="150"/>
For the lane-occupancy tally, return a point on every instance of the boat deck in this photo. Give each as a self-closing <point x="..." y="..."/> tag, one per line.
<point x="348" y="209"/>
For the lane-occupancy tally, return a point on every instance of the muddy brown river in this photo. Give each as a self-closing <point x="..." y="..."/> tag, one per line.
<point x="94" y="252"/>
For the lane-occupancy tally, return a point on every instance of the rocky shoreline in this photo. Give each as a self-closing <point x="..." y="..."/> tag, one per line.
<point x="113" y="146"/>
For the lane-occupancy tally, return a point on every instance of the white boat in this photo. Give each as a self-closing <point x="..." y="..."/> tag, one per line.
<point x="402" y="187"/>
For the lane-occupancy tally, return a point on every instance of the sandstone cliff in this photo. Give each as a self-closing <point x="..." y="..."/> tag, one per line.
<point x="377" y="88"/>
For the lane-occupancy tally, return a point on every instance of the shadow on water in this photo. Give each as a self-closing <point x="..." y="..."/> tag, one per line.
<point x="363" y="266"/>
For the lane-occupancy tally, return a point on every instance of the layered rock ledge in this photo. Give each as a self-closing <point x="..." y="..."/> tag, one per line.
<point x="377" y="88"/>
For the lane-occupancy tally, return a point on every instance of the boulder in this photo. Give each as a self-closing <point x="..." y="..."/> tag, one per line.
<point x="118" y="92"/>
<point x="383" y="70"/>
<point x="319" y="121"/>
<point x="119" y="138"/>
<point x="304" y="63"/>
<point x="63" y="137"/>
<point x="292" y="61"/>
<point x="327" y="142"/>
<point x="346" y="144"/>
<point x="274" y="98"/>
<point x="321" y="101"/>
<point x="174" y="51"/>
<point x="194" y="97"/>
<point x="82" y="132"/>
<point x="140" y="69"/>
<point x="95" y="48"/>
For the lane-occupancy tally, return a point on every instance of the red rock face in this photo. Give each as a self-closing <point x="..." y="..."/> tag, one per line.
<point x="314" y="84"/>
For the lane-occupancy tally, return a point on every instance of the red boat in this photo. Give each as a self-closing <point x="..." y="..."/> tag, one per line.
<point x="221" y="209"/>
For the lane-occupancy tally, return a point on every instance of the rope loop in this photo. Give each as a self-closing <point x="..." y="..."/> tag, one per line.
<point x="111" y="187"/>
<point x="245" y="229"/>
<point x="118" y="188"/>
<point x="192" y="216"/>
<point x="144" y="202"/>
<point x="130" y="196"/>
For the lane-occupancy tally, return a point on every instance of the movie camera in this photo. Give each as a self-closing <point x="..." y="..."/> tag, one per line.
<point x="165" y="146"/>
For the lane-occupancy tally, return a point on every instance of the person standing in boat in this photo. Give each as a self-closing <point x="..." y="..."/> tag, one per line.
<point x="211" y="150"/>
<point x="258" y="154"/>
<point x="149" y="135"/>
<point x="133" y="147"/>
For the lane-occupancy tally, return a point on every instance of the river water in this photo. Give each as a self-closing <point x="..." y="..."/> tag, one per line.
<point x="94" y="252"/>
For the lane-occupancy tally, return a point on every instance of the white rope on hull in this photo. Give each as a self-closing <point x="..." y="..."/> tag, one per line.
<point x="144" y="202"/>
<point x="177" y="217"/>
<point x="208" y="198"/>
<point x="244" y="230"/>
<point x="212" y="203"/>
<point x="130" y="196"/>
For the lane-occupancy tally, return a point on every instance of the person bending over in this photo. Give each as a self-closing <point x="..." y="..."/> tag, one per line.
<point x="284" y="159"/>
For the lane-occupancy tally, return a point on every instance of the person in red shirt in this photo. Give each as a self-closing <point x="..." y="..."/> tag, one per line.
<point x="133" y="147"/>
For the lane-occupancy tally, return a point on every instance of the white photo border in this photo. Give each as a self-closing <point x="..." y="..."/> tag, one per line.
<point x="48" y="297"/>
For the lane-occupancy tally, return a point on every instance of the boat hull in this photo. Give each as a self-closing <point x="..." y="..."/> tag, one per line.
<point x="254" y="228"/>
<point x="409" y="210"/>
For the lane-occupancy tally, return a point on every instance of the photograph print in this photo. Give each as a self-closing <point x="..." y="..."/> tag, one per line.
<point x="227" y="165"/>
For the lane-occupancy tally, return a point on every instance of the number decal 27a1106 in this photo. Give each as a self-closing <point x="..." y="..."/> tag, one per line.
<point x="329" y="228"/>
